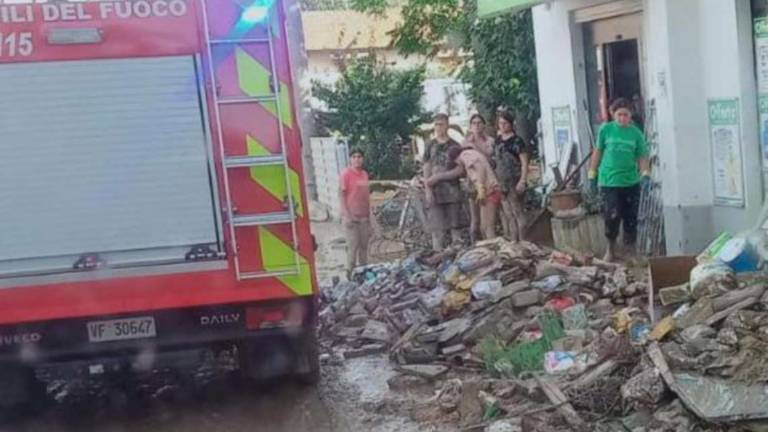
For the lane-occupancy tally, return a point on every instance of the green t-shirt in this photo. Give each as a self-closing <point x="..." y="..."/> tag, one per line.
<point x="621" y="148"/>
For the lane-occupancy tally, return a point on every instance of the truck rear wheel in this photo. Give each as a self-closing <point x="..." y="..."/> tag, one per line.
<point x="307" y="359"/>
<point x="272" y="357"/>
<point x="20" y="391"/>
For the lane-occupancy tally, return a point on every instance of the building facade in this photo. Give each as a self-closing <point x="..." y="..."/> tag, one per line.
<point x="695" y="70"/>
<point x="333" y="36"/>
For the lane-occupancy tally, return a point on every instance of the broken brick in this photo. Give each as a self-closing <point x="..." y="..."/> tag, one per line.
<point x="526" y="298"/>
<point x="375" y="330"/>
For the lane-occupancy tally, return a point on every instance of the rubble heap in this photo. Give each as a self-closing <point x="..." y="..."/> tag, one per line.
<point x="536" y="339"/>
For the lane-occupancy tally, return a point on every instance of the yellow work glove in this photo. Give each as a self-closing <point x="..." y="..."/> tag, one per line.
<point x="481" y="193"/>
<point x="592" y="177"/>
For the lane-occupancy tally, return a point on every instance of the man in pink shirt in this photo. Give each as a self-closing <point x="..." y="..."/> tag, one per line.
<point x="356" y="210"/>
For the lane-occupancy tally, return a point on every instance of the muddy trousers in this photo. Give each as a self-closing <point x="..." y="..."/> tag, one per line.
<point x="474" y="219"/>
<point x="482" y="220"/>
<point x="358" y="233"/>
<point x="620" y="208"/>
<point x="513" y="216"/>
<point x="442" y="218"/>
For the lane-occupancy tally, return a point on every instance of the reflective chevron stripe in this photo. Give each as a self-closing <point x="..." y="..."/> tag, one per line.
<point x="276" y="255"/>
<point x="255" y="80"/>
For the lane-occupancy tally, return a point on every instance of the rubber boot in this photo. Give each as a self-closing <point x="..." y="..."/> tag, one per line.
<point x="630" y="251"/>
<point x="633" y="258"/>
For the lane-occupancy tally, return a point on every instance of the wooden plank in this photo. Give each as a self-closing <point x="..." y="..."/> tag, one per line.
<point x="730" y="311"/>
<point x="556" y="396"/>
<point x="586" y="379"/>
<point x="657" y="357"/>
<point x="734" y="297"/>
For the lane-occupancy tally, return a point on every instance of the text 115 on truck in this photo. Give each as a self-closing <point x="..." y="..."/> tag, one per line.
<point x="152" y="199"/>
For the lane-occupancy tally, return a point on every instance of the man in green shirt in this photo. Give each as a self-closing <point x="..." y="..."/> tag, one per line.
<point x="619" y="165"/>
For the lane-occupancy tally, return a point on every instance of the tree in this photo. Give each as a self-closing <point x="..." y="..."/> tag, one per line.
<point x="501" y="67"/>
<point x="376" y="109"/>
<point x="502" y="70"/>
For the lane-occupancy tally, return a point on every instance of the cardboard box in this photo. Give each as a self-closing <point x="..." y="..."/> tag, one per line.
<point x="665" y="272"/>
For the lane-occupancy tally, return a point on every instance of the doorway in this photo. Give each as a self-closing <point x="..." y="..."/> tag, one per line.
<point x="613" y="69"/>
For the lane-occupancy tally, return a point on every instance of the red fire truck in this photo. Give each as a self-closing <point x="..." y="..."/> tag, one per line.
<point x="152" y="199"/>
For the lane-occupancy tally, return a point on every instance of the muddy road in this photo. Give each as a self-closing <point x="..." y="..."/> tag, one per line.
<point x="351" y="397"/>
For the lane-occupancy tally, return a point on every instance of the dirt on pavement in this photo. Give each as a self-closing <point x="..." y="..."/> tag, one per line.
<point x="351" y="397"/>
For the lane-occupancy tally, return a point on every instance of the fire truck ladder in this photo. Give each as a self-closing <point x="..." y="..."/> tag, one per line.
<point x="234" y="218"/>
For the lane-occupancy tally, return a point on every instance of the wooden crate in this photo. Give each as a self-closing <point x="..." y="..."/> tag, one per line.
<point x="584" y="234"/>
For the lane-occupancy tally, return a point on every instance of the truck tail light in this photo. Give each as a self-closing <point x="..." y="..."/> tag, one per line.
<point x="268" y="317"/>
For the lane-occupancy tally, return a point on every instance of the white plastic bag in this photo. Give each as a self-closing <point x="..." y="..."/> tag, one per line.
<point x="486" y="289"/>
<point x="712" y="279"/>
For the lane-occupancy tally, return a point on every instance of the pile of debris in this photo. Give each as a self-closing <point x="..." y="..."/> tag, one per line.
<point x="516" y="337"/>
<point x="712" y="341"/>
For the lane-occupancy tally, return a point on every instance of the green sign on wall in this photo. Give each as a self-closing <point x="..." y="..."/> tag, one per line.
<point x="490" y="8"/>
<point x="761" y="27"/>
<point x="727" y="163"/>
<point x="761" y="65"/>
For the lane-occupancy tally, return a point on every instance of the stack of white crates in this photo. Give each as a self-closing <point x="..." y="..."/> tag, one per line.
<point x="329" y="157"/>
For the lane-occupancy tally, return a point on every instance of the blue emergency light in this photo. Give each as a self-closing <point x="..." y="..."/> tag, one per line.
<point x="256" y="12"/>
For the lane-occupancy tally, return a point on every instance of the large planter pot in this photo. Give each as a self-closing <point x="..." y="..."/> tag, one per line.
<point x="565" y="200"/>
